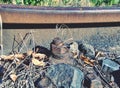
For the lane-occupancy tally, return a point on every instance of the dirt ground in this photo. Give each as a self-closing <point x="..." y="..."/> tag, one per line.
<point x="102" y="36"/>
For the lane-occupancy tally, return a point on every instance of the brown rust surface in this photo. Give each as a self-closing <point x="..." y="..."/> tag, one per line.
<point x="11" y="15"/>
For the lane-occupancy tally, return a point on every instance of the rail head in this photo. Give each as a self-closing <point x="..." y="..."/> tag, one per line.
<point x="45" y="15"/>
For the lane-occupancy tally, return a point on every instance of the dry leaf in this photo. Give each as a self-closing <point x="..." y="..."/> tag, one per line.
<point x="12" y="56"/>
<point x="4" y="57"/>
<point x="29" y="52"/>
<point x="87" y="60"/>
<point x="20" y="56"/>
<point x="37" y="62"/>
<point x="39" y="55"/>
<point x="13" y="77"/>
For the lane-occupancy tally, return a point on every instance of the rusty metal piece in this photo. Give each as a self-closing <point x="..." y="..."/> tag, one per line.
<point x="29" y="14"/>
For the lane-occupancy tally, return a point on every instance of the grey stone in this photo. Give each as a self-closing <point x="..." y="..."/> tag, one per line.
<point x="118" y="59"/>
<point x="87" y="49"/>
<point x="74" y="49"/>
<point x="65" y="76"/>
<point x="109" y="65"/>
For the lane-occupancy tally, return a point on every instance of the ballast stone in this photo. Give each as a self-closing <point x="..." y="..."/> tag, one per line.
<point x="66" y="76"/>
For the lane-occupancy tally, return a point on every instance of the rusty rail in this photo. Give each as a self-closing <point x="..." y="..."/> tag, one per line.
<point x="45" y="15"/>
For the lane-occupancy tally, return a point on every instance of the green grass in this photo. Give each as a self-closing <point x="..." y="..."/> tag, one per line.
<point x="72" y="3"/>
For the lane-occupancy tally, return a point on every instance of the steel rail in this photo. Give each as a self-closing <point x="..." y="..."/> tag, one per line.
<point x="45" y="15"/>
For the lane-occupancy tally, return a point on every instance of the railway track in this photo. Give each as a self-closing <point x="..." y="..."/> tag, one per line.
<point x="55" y="15"/>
